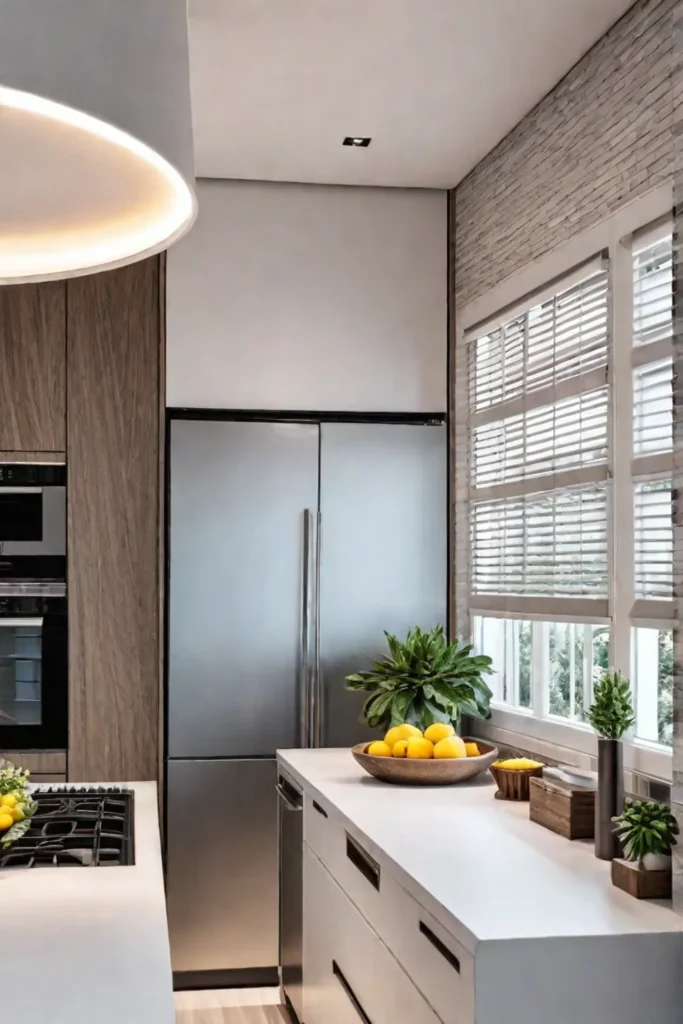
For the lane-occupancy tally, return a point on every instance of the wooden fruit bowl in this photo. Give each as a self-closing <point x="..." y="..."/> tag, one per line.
<point x="431" y="772"/>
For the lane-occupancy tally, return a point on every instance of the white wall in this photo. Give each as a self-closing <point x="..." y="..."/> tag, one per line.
<point x="309" y="297"/>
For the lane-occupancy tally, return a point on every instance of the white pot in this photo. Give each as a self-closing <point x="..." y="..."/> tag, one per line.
<point x="656" y="862"/>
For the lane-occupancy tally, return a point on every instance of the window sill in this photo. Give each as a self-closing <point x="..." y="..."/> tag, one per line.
<point x="573" y="743"/>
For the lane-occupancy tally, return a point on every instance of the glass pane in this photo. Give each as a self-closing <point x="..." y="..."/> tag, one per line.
<point x="652" y="660"/>
<point x="577" y="655"/>
<point x="20" y="678"/>
<point x="508" y="643"/>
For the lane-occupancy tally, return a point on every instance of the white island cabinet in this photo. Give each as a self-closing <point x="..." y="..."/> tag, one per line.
<point x="89" y="945"/>
<point x="428" y="905"/>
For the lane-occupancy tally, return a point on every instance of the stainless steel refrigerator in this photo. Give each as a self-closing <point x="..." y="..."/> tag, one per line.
<point x="293" y="545"/>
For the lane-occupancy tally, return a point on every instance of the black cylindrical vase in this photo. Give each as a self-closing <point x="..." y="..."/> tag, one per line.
<point x="609" y="799"/>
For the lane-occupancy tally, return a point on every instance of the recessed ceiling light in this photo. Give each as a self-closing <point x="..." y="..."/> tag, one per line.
<point x="361" y="141"/>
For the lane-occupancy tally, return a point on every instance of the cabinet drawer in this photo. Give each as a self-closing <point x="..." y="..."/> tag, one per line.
<point x="350" y="977"/>
<point x="351" y="865"/>
<point x="440" y="967"/>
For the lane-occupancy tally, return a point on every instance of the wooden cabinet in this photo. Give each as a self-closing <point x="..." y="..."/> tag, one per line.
<point x="33" y="367"/>
<point x="114" y="435"/>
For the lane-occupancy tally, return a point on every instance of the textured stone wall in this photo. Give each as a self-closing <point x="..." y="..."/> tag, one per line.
<point x="601" y="138"/>
<point x="608" y="133"/>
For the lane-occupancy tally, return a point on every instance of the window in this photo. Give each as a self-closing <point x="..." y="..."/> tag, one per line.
<point x="562" y="569"/>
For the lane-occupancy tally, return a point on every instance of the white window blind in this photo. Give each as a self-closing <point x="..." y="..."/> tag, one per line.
<point x="653" y="534"/>
<point x="653" y="291"/>
<point x="561" y="339"/>
<point x="653" y="408"/>
<point x="552" y="544"/>
<point x="539" y="413"/>
<point x="561" y="436"/>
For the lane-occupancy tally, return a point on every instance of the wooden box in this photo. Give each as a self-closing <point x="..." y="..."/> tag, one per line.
<point x="644" y="885"/>
<point x="562" y="807"/>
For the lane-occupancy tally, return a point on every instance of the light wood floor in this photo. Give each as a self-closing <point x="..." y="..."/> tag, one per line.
<point x="232" y="1006"/>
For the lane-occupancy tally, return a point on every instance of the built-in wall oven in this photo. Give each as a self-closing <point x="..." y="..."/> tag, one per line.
<point x="33" y="607"/>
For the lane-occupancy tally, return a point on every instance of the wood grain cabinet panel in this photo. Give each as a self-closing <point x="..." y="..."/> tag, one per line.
<point x="33" y="367"/>
<point x="113" y="444"/>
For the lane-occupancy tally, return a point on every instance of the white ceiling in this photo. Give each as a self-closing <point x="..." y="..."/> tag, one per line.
<point x="277" y="84"/>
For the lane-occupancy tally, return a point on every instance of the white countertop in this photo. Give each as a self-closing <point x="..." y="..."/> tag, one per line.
<point x="478" y="864"/>
<point x="89" y="946"/>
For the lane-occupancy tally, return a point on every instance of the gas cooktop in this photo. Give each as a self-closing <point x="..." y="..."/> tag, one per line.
<point x="89" y="827"/>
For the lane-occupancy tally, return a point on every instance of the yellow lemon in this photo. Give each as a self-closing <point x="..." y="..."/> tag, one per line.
<point x="439" y="731"/>
<point x="517" y="764"/>
<point x="8" y="800"/>
<point x="18" y="813"/>
<point x="6" y="820"/>
<point x="419" y="747"/>
<point x="379" y="749"/>
<point x="450" y="746"/>
<point x="401" y="732"/>
<point x="472" y="750"/>
<point x="400" y="748"/>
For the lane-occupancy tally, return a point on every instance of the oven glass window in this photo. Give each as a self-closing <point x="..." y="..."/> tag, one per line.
<point x="20" y="673"/>
<point x="21" y="515"/>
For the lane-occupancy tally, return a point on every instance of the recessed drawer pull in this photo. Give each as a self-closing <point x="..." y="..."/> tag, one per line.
<point x="337" y="971"/>
<point x="319" y="809"/>
<point x="439" y="945"/>
<point x="363" y="861"/>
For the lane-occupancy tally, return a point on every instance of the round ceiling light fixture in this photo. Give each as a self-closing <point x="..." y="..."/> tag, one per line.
<point x="96" y="162"/>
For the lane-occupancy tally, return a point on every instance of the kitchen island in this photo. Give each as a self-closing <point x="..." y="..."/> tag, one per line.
<point x="443" y="904"/>
<point x="89" y="945"/>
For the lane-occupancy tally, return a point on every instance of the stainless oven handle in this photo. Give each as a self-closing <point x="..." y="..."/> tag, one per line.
<point x="21" y="622"/>
<point x="21" y="490"/>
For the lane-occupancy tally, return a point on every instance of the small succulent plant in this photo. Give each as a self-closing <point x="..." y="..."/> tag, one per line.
<point x="646" y="827"/>
<point x="611" y="713"/>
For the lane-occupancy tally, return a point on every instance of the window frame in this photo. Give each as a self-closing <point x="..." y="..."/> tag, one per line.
<point x="615" y="236"/>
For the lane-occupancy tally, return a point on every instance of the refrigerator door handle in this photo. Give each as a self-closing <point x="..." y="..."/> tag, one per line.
<point x="305" y="641"/>
<point x="317" y="730"/>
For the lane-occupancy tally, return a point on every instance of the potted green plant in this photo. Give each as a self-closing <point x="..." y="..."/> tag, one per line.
<point x="424" y="679"/>
<point x="611" y="715"/>
<point x="647" y="832"/>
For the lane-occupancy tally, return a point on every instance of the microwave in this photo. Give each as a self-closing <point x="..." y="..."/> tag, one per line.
<point x="32" y="521"/>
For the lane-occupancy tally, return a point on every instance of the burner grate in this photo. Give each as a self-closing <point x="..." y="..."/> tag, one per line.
<point x="90" y="827"/>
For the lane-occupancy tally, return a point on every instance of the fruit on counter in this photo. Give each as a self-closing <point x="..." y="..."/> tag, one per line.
<point x="9" y="800"/>
<point x="472" y="750"/>
<point x="401" y="732"/>
<point x="419" y="748"/>
<point x="379" y="749"/>
<point x="517" y="764"/>
<point x="6" y="820"/>
<point x="400" y="748"/>
<point x="439" y="731"/>
<point x="450" y="746"/>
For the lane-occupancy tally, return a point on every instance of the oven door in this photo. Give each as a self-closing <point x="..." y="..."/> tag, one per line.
<point x="33" y="675"/>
